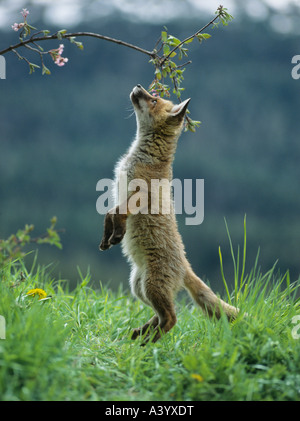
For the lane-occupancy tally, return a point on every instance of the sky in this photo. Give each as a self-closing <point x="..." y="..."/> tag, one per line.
<point x="71" y="12"/>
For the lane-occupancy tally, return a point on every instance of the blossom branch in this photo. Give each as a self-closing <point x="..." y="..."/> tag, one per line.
<point x="166" y="47"/>
<point x="73" y="35"/>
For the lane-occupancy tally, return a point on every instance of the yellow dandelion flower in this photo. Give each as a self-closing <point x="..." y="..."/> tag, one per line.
<point x="197" y="377"/>
<point x="37" y="291"/>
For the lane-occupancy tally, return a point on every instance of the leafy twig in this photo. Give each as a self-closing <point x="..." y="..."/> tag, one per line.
<point x="165" y="67"/>
<point x="12" y="247"/>
<point x="188" y="39"/>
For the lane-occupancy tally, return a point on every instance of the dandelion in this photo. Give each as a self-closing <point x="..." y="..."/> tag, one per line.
<point x="197" y="377"/>
<point x="37" y="291"/>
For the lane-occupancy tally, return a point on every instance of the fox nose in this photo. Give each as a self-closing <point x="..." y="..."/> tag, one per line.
<point x="138" y="86"/>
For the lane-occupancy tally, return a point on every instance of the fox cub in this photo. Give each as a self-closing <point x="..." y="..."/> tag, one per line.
<point x="151" y="241"/>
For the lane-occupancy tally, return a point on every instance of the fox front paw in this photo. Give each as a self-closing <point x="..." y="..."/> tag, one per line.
<point x="104" y="245"/>
<point x="117" y="236"/>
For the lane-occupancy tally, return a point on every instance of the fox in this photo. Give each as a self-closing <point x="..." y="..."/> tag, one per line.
<point x="151" y="241"/>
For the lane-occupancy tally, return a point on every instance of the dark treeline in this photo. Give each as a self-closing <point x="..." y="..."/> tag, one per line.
<point x="61" y="133"/>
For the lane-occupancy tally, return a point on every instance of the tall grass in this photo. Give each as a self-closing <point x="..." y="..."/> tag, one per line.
<point x="254" y="287"/>
<point x="76" y="345"/>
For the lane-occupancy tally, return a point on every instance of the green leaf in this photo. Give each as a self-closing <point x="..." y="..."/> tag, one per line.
<point x="164" y="72"/>
<point x="202" y="37"/>
<point x="191" y="126"/>
<point x="61" y="33"/>
<point x="79" y="45"/>
<point x="158" y="74"/>
<point x="173" y="41"/>
<point x="184" y="51"/>
<point x="189" y="41"/>
<point x="164" y="36"/>
<point x="166" y="49"/>
<point x="53" y="221"/>
<point x="45" y="70"/>
<point x="29" y="26"/>
<point x="26" y="29"/>
<point x="32" y="67"/>
<point x="29" y="228"/>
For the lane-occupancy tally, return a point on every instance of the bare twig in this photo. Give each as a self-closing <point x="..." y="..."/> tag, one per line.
<point x="184" y="64"/>
<point x="36" y="50"/>
<point x="20" y="57"/>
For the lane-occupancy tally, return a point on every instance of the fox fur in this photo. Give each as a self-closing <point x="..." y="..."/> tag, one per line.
<point x="151" y="242"/>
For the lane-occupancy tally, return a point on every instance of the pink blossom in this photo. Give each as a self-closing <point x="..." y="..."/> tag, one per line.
<point x="60" y="49"/>
<point x="60" y="61"/>
<point x="25" y="13"/>
<point x="153" y="92"/>
<point x="17" y="26"/>
<point x="56" y="55"/>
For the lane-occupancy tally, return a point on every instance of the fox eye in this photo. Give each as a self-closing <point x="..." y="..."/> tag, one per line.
<point x="154" y="101"/>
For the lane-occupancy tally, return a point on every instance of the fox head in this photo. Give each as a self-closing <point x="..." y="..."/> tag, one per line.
<point x="155" y="114"/>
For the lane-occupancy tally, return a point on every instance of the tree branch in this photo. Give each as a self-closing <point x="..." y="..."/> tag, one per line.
<point x="76" y="34"/>
<point x="164" y="66"/>
<point x="188" y="38"/>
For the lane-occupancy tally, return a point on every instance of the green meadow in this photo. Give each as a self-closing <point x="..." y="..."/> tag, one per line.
<point x="75" y="345"/>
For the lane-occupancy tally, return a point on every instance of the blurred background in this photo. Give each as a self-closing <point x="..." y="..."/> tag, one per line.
<point x="60" y="134"/>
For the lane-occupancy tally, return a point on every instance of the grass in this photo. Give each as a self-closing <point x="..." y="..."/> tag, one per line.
<point x="76" y="345"/>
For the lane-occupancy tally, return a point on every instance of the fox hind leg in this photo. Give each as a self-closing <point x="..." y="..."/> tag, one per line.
<point x="137" y="291"/>
<point x="153" y="322"/>
<point x="165" y="311"/>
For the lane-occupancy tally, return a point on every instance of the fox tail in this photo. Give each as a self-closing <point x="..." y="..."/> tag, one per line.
<point x="207" y="299"/>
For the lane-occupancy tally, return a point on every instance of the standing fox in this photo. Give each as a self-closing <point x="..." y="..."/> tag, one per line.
<point x="151" y="241"/>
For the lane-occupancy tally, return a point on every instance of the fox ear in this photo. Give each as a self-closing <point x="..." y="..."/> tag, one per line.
<point x="179" y="109"/>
